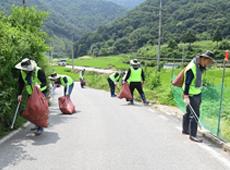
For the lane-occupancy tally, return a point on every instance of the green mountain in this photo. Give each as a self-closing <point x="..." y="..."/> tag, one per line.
<point x="199" y="19"/>
<point x="69" y="18"/>
<point x="127" y="3"/>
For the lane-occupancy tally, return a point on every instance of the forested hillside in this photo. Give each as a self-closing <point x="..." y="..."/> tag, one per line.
<point x="127" y="3"/>
<point x="71" y="17"/>
<point x="182" y="21"/>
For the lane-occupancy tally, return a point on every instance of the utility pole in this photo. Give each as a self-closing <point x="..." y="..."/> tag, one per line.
<point x="24" y="2"/>
<point x="72" y="53"/>
<point x="159" y="36"/>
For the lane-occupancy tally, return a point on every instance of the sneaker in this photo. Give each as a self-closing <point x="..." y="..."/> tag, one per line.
<point x="38" y="131"/>
<point x="114" y="95"/>
<point x="185" y="132"/>
<point x="33" y="128"/>
<point x="131" y="103"/>
<point x="195" y="139"/>
<point x="146" y="103"/>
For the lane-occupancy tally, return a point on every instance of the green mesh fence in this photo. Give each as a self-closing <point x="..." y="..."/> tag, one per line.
<point x="214" y="116"/>
<point x="177" y="95"/>
<point x="210" y="109"/>
<point x="225" y="116"/>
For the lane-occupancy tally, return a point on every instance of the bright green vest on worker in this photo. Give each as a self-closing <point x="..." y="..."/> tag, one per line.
<point x="113" y="78"/>
<point x="69" y="81"/>
<point x="135" y="75"/>
<point x="193" y="90"/>
<point x="35" y="81"/>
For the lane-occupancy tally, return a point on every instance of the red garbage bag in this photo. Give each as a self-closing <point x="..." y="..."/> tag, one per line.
<point x="125" y="92"/>
<point x="37" y="109"/>
<point x="179" y="81"/>
<point x="66" y="105"/>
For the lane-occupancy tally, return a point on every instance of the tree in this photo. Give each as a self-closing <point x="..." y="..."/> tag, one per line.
<point x="189" y="37"/>
<point x="172" y="44"/>
<point x="122" y="45"/>
<point x="224" y="45"/>
<point x="217" y="36"/>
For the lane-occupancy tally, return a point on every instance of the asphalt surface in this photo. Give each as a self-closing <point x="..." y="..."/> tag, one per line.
<point x="108" y="134"/>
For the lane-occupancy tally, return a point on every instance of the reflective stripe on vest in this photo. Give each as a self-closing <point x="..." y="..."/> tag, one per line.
<point x="113" y="78"/>
<point x="135" y="75"/>
<point x="193" y="90"/>
<point x="69" y="81"/>
<point x="35" y="81"/>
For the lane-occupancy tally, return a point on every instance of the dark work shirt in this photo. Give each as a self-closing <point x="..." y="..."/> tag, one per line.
<point x="188" y="80"/>
<point x="129" y="72"/>
<point x="41" y="77"/>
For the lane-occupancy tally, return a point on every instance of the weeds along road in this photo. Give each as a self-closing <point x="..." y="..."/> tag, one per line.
<point x="108" y="134"/>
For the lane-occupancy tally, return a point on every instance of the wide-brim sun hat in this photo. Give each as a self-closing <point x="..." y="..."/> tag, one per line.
<point x="210" y="55"/>
<point x="134" y="62"/>
<point x="26" y="65"/>
<point x="54" y="76"/>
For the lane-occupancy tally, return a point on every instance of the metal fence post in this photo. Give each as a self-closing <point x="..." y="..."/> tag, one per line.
<point x="172" y="73"/>
<point x="221" y="95"/>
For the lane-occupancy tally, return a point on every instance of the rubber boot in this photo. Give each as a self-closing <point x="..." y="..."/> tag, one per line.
<point x="39" y="131"/>
<point x="131" y="102"/>
<point x="144" y="99"/>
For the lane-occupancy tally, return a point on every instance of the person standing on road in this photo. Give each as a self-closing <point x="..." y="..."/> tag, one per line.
<point x="113" y="79"/>
<point x="82" y="80"/>
<point x="135" y="76"/>
<point x="31" y="75"/>
<point x="64" y="80"/>
<point x="192" y="92"/>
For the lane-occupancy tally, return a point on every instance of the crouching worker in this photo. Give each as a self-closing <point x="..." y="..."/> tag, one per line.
<point x="64" y="80"/>
<point x="113" y="79"/>
<point x="135" y="76"/>
<point x="31" y="75"/>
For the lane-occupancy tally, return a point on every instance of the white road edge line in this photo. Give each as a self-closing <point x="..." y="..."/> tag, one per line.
<point x="212" y="152"/>
<point x="215" y="154"/>
<point x="160" y="115"/>
<point x="163" y="117"/>
<point x="179" y="128"/>
<point x="151" y="110"/>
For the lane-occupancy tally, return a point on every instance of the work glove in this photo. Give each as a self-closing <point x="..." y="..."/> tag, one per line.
<point x="19" y="98"/>
<point x="186" y="99"/>
<point x="142" y="83"/>
<point x="123" y="82"/>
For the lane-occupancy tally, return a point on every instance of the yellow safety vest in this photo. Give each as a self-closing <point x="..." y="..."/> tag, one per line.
<point x="34" y="79"/>
<point x="193" y="90"/>
<point x="69" y="80"/>
<point x="113" y="78"/>
<point x="135" y="75"/>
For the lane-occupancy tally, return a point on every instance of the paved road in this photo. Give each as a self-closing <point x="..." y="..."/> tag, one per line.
<point x="108" y="134"/>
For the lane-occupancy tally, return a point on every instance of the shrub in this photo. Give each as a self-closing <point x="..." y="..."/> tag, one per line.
<point x="20" y="37"/>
